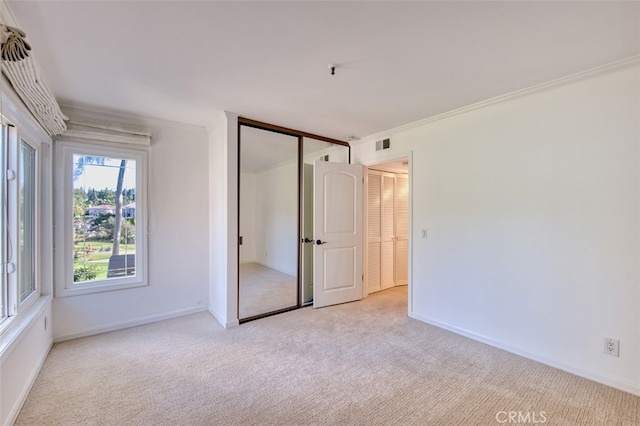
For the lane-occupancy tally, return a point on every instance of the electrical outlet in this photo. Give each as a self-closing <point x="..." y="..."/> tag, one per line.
<point x="611" y="346"/>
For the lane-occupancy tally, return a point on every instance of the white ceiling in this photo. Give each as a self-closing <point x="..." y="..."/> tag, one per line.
<point x="397" y="62"/>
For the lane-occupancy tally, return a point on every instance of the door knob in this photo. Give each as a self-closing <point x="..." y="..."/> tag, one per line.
<point x="306" y="240"/>
<point x="320" y="242"/>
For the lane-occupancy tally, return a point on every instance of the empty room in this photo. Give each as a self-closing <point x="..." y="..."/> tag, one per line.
<point x="320" y="212"/>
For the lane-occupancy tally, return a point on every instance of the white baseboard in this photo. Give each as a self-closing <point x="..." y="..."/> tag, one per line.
<point x="596" y="376"/>
<point x="224" y="323"/>
<point x="15" y="410"/>
<point x="131" y="323"/>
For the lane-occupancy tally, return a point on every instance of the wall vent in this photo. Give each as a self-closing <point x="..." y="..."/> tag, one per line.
<point x="383" y="144"/>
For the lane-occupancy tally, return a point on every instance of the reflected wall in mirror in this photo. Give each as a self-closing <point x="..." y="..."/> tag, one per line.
<point x="268" y="222"/>
<point x="313" y="150"/>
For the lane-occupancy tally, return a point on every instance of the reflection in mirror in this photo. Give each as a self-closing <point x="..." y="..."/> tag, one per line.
<point x="314" y="150"/>
<point x="268" y="254"/>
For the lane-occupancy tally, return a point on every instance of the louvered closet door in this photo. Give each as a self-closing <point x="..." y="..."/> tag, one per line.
<point x="387" y="270"/>
<point x="402" y="229"/>
<point x="374" y="226"/>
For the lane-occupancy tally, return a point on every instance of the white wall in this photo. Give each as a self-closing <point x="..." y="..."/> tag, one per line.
<point x="223" y="219"/>
<point x="248" y="216"/>
<point x="25" y="339"/>
<point x="21" y="360"/>
<point x="277" y="218"/>
<point x="532" y="207"/>
<point x="178" y="239"/>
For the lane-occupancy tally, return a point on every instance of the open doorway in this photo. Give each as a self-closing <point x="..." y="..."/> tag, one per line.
<point x="387" y="224"/>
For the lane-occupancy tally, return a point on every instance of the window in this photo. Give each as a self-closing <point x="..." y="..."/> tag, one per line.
<point x="104" y="199"/>
<point x="19" y="216"/>
<point x="26" y="220"/>
<point x="102" y="219"/>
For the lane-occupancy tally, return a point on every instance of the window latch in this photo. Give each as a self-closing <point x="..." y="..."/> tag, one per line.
<point x="9" y="268"/>
<point x="11" y="174"/>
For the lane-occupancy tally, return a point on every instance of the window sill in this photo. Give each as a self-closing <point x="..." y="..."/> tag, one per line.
<point x="101" y="286"/>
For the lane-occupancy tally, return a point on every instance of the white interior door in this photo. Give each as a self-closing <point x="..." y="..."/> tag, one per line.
<point x="374" y="230"/>
<point x="387" y="255"/>
<point x="337" y="230"/>
<point x="401" y="206"/>
<point x="381" y="230"/>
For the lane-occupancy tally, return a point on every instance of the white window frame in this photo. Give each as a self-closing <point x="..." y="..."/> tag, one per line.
<point x="15" y="227"/>
<point x="10" y="269"/>
<point x="63" y="217"/>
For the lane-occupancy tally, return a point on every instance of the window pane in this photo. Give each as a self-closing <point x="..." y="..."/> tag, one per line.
<point x="26" y="219"/>
<point x="104" y="218"/>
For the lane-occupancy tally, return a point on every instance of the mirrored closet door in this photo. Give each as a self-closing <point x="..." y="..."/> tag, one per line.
<point x="275" y="244"/>
<point x="269" y="199"/>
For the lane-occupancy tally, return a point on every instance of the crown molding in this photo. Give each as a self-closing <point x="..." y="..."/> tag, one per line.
<point x="591" y="72"/>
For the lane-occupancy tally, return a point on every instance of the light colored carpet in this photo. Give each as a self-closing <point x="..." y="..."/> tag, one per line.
<point x="361" y="363"/>
<point x="264" y="290"/>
